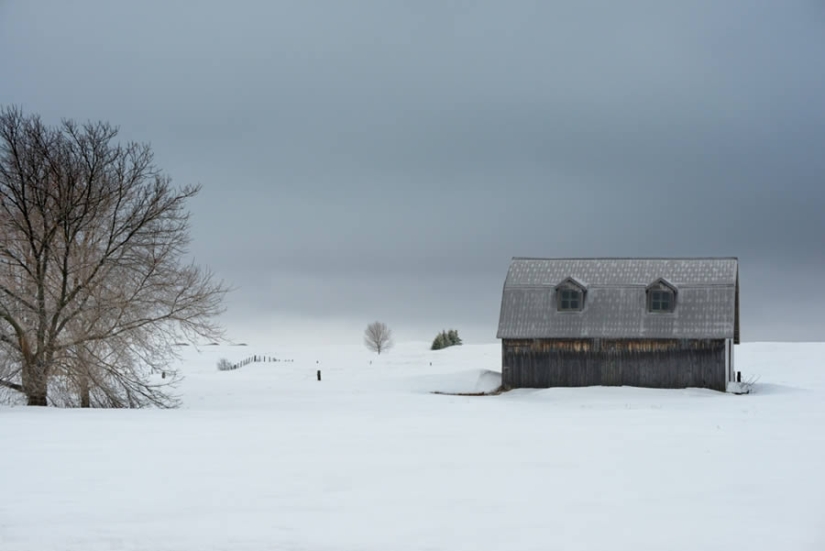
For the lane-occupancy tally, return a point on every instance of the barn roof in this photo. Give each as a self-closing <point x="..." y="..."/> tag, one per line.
<point x="615" y="302"/>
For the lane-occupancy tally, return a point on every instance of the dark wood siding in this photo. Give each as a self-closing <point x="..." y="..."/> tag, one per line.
<point x="736" y="313"/>
<point x="674" y="363"/>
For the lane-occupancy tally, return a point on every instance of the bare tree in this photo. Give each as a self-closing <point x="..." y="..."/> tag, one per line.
<point x="378" y="337"/>
<point x="94" y="288"/>
<point x="9" y="370"/>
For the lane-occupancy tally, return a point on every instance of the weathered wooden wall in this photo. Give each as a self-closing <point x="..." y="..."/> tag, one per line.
<point x="676" y="363"/>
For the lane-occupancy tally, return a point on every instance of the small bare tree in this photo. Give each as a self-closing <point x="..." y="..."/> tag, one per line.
<point x="94" y="286"/>
<point x="378" y="337"/>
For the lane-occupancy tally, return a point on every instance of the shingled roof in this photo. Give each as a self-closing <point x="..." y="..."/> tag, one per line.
<point x="707" y="305"/>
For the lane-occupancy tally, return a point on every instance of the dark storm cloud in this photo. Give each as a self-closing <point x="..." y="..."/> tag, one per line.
<point x="365" y="159"/>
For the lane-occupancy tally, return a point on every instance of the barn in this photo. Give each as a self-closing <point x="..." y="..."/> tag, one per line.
<point x="646" y="322"/>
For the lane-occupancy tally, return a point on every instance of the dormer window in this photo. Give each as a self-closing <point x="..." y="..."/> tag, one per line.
<point x="661" y="301"/>
<point x="570" y="299"/>
<point x="570" y="295"/>
<point x="661" y="297"/>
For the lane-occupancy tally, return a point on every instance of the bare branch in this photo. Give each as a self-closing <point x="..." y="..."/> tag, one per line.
<point x="13" y="386"/>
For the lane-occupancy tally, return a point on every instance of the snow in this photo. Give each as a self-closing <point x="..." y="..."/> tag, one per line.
<point x="267" y="457"/>
<point x="737" y="388"/>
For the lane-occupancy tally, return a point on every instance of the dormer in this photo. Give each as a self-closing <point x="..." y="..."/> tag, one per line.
<point x="570" y="294"/>
<point x="661" y="297"/>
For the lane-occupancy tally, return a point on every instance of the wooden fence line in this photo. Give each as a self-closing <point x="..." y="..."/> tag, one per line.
<point x="253" y="359"/>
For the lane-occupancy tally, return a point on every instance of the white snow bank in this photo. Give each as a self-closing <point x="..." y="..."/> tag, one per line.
<point x="464" y="382"/>
<point x="738" y="388"/>
<point x="266" y="457"/>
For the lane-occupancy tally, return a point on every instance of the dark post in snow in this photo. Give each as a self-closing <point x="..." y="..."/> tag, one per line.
<point x="319" y="374"/>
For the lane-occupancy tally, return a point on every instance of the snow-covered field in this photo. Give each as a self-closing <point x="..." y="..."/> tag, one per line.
<point x="266" y="457"/>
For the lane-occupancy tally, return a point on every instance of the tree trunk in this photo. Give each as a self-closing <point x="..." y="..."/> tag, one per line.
<point x="35" y="383"/>
<point x="85" y="396"/>
<point x="37" y="399"/>
<point x="83" y="382"/>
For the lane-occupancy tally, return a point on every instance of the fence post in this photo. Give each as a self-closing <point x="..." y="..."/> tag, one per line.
<point x="319" y="374"/>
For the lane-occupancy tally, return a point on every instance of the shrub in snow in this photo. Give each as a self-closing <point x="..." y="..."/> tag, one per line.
<point x="225" y="365"/>
<point x="445" y="339"/>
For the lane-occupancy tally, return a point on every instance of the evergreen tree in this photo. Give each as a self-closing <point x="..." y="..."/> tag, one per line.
<point x="445" y="339"/>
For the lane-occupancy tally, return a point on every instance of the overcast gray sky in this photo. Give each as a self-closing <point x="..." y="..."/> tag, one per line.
<point x="385" y="160"/>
